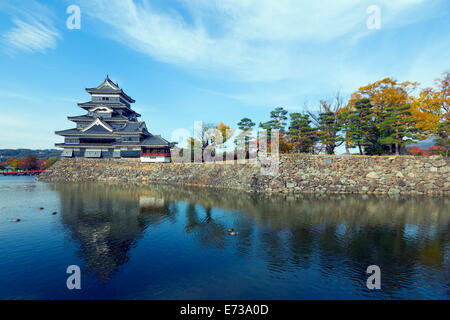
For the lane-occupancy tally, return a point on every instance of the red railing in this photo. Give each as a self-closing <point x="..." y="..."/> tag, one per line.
<point x="155" y="154"/>
<point x="23" y="172"/>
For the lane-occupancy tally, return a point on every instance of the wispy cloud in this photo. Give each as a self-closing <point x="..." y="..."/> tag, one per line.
<point x="19" y="130"/>
<point x="15" y="96"/>
<point x="249" y="40"/>
<point x="33" y="29"/>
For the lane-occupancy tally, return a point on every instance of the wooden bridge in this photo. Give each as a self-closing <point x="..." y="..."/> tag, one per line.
<point x="22" y="173"/>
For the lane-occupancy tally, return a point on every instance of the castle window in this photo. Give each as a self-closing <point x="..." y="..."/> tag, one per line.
<point x="72" y="140"/>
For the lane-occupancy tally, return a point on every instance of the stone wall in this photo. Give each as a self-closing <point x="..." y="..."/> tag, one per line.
<point x="297" y="173"/>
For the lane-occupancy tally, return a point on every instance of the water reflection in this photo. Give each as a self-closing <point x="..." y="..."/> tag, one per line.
<point x="107" y="223"/>
<point x="337" y="235"/>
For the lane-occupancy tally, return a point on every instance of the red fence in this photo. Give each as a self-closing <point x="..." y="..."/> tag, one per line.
<point x="155" y="154"/>
<point x="23" y="172"/>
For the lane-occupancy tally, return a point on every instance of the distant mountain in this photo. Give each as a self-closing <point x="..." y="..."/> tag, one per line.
<point x="424" y="144"/>
<point x="22" y="153"/>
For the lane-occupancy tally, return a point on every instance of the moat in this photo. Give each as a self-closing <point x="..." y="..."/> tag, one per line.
<point x="171" y="242"/>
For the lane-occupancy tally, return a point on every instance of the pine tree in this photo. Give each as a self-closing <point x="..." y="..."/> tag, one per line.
<point x="361" y="128"/>
<point x="279" y="119"/>
<point x="278" y="122"/>
<point x="397" y="127"/>
<point x="268" y="126"/>
<point x="329" y="126"/>
<point x="246" y="126"/>
<point x="301" y="133"/>
<point x="443" y="135"/>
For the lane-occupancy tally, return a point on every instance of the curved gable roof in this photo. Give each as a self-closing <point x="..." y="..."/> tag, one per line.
<point x="97" y="126"/>
<point x="109" y="87"/>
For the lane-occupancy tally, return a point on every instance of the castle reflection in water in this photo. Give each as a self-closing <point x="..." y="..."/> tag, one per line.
<point x="402" y="234"/>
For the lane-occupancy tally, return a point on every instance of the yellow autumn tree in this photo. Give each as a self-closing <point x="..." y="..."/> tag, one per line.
<point x="210" y="136"/>
<point x="432" y="106"/>
<point x="225" y="132"/>
<point x="425" y="108"/>
<point x="443" y="128"/>
<point x="13" y="163"/>
<point x="385" y="93"/>
<point x="390" y="114"/>
<point x="426" y="111"/>
<point x="443" y="86"/>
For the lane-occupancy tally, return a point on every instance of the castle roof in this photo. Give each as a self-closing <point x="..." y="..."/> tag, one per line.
<point x="109" y="87"/>
<point x="100" y="126"/>
<point x="117" y="117"/>
<point x="155" y="140"/>
<point x="132" y="127"/>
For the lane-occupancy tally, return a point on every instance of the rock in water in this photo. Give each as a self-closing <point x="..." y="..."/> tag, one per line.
<point x="53" y="213"/>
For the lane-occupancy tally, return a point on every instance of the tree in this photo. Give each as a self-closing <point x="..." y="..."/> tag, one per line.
<point x="285" y="146"/>
<point x="443" y="85"/>
<point x="426" y="111"/>
<point x="49" y="162"/>
<point x="385" y="93"/>
<point x="443" y="127"/>
<point x="397" y="127"/>
<point x="328" y="131"/>
<point x="246" y="126"/>
<point x="329" y="123"/>
<point x="443" y="135"/>
<point x="268" y="126"/>
<point x="301" y="133"/>
<point x="279" y="119"/>
<point x="31" y="162"/>
<point x="13" y="163"/>
<point x="209" y="135"/>
<point x="202" y="138"/>
<point x="392" y="111"/>
<point x="221" y="134"/>
<point x="361" y="129"/>
<point x="278" y="122"/>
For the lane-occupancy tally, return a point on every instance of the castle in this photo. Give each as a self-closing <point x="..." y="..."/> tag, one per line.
<point x="111" y="129"/>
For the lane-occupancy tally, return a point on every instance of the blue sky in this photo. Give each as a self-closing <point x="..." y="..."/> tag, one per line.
<point x="210" y="60"/>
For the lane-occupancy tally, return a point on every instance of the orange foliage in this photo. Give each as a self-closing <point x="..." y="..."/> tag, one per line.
<point x="426" y="110"/>
<point x="443" y="84"/>
<point x="385" y="93"/>
<point x="225" y="131"/>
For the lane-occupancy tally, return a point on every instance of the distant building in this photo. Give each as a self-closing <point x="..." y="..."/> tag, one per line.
<point x="110" y="129"/>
